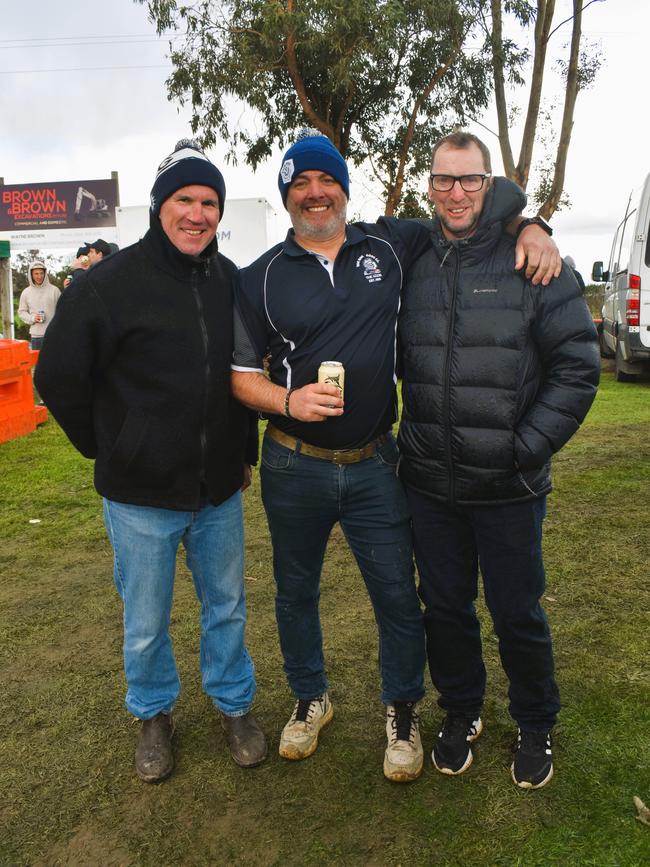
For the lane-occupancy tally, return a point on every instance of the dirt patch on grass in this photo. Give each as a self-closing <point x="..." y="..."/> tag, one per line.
<point x="89" y="847"/>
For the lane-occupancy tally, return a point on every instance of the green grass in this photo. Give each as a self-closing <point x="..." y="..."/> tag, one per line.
<point x="68" y="793"/>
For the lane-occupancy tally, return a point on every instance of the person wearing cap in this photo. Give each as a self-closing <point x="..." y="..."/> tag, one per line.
<point x="331" y="292"/>
<point x="146" y="395"/>
<point x="79" y="264"/>
<point x="38" y="302"/>
<point x="98" y="250"/>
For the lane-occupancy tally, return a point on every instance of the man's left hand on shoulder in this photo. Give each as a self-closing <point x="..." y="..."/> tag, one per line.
<point x="539" y="253"/>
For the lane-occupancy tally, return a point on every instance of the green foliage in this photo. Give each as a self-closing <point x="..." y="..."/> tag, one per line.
<point x="68" y="790"/>
<point x="382" y="78"/>
<point x="594" y="296"/>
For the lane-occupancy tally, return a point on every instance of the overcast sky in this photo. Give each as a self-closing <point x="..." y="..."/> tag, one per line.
<point x="82" y="94"/>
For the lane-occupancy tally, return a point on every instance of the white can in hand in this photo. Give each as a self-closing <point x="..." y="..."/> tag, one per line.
<point x="332" y="373"/>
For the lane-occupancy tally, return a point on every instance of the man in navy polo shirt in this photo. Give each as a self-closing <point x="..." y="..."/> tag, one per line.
<point x="332" y="292"/>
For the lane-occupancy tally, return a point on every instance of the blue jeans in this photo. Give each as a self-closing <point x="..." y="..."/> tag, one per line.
<point x="506" y="541"/>
<point x="145" y="541"/>
<point x="304" y="497"/>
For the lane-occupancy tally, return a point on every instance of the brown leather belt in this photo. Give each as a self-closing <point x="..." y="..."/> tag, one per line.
<point x="338" y="456"/>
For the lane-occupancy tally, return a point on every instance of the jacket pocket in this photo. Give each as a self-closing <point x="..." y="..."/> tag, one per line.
<point x="129" y="439"/>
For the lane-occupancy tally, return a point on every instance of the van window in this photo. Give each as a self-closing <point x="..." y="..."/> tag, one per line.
<point x="622" y="245"/>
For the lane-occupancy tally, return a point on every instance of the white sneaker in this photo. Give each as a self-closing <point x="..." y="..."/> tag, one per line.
<point x="299" y="737"/>
<point x="404" y="758"/>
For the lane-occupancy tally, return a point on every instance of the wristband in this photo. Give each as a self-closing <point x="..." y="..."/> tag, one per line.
<point x="286" y="402"/>
<point x="533" y="221"/>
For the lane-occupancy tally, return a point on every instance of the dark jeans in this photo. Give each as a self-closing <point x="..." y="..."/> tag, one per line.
<point x="506" y="541"/>
<point x="36" y="342"/>
<point x="304" y="497"/>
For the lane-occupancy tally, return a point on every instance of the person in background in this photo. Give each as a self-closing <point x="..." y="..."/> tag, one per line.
<point x="80" y="263"/>
<point x="571" y="263"/>
<point x="38" y="302"/>
<point x="98" y="250"/>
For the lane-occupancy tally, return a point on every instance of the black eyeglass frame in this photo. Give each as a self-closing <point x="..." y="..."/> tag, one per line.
<point x="483" y="176"/>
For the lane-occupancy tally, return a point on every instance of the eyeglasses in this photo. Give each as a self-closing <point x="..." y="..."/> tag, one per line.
<point x="469" y="183"/>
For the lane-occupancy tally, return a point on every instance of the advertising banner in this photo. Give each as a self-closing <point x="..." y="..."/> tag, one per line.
<point x="87" y="205"/>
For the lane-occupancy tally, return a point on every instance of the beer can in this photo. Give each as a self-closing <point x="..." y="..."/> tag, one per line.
<point x="332" y="373"/>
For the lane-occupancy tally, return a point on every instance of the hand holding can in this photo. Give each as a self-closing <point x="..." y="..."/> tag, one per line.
<point x="332" y="373"/>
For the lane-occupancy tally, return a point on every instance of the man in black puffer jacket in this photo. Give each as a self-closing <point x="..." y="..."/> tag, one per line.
<point x="497" y="376"/>
<point x="136" y="369"/>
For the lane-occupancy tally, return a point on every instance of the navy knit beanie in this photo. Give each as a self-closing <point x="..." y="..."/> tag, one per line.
<point x="185" y="166"/>
<point x="312" y="151"/>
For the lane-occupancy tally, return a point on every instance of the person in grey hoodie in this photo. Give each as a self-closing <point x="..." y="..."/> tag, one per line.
<point x="38" y="302"/>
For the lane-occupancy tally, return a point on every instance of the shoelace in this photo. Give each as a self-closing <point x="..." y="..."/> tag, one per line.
<point x="305" y="709"/>
<point x="458" y="725"/>
<point x="404" y="722"/>
<point x="534" y="742"/>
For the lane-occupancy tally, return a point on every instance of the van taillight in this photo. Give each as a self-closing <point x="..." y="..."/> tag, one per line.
<point x="632" y="304"/>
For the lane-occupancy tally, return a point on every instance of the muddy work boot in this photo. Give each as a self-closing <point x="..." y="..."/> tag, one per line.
<point x="246" y="740"/>
<point x="154" y="760"/>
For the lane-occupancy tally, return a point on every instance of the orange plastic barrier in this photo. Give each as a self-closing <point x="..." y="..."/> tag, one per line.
<point x="18" y="414"/>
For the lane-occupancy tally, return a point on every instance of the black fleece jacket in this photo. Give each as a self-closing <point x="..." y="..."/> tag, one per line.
<point x="497" y="373"/>
<point x="136" y="370"/>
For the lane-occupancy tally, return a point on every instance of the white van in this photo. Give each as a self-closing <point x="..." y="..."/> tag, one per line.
<point x="625" y="333"/>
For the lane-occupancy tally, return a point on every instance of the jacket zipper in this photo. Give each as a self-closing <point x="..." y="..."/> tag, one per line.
<point x="208" y="374"/>
<point x="447" y="380"/>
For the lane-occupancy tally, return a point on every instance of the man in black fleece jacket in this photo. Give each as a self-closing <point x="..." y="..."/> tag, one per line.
<point x="498" y="375"/>
<point x="137" y="373"/>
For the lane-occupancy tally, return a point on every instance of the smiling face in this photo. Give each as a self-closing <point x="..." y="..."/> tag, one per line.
<point x="457" y="210"/>
<point x="317" y="206"/>
<point x="190" y="217"/>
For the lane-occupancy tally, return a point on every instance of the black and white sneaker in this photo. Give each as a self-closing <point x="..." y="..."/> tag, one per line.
<point x="532" y="766"/>
<point x="452" y="752"/>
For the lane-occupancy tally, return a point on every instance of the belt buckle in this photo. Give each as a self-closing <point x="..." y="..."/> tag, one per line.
<point x="337" y="456"/>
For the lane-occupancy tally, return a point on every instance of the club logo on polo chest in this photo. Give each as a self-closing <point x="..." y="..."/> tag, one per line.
<point x="371" y="269"/>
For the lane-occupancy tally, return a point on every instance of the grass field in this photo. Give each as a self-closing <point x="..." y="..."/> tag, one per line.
<point x="68" y="792"/>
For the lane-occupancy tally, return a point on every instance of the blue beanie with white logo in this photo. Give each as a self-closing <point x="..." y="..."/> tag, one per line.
<point x="312" y="151"/>
<point x="187" y="165"/>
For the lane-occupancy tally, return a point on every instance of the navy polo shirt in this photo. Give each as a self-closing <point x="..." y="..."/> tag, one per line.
<point x="302" y="310"/>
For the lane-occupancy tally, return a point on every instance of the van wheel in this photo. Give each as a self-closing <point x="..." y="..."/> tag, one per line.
<point x="621" y="375"/>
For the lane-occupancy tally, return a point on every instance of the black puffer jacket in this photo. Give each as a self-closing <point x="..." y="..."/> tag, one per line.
<point x="497" y="374"/>
<point x="136" y="369"/>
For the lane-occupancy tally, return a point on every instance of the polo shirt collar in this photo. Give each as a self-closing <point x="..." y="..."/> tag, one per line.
<point x="353" y="235"/>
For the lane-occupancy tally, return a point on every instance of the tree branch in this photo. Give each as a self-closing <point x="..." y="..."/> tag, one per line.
<point x="572" y="87"/>
<point x="500" y="91"/>
<point x="395" y="193"/>
<point x="571" y="17"/>
<point x="545" y="12"/>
